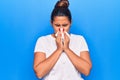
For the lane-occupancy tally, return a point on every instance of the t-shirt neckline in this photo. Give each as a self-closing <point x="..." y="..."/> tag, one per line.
<point x="54" y="37"/>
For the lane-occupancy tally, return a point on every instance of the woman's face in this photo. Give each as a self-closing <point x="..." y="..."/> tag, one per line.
<point x="61" y="22"/>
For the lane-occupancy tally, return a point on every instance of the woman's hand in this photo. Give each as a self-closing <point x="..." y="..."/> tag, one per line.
<point x="59" y="42"/>
<point x="66" y="42"/>
<point x="62" y="44"/>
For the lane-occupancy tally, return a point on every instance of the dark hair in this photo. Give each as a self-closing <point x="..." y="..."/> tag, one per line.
<point x="61" y="9"/>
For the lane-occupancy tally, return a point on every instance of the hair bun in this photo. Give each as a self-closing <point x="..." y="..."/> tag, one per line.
<point x="62" y="4"/>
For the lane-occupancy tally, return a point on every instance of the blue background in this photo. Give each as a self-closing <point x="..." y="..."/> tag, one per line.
<point x="23" y="21"/>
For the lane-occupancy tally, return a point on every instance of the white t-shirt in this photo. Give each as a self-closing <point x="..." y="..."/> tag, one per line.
<point x="63" y="69"/>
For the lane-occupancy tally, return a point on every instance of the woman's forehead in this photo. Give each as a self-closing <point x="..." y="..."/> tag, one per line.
<point x="61" y="19"/>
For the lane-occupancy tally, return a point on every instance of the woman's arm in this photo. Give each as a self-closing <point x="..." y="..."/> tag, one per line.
<point x="82" y="63"/>
<point x="43" y="65"/>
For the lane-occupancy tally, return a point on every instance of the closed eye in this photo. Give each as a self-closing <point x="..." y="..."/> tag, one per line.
<point x="58" y="25"/>
<point x="64" y="25"/>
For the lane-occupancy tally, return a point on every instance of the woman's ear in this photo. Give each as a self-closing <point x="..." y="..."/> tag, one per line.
<point x="51" y="22"/>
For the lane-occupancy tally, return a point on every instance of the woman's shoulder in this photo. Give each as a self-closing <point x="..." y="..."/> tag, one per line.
<point x="44" y="37"/>
<point x="76" y="36"/>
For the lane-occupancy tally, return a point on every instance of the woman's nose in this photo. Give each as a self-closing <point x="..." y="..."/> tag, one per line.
<point x="61" y="29"/>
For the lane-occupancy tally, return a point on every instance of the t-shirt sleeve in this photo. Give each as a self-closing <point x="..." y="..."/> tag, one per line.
<point x="40" y="46"/>
<point x="83" y="43"/>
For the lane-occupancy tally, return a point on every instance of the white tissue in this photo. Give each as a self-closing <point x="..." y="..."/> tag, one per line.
<point x="62" y="33"/>
<point x="67" y="34"/>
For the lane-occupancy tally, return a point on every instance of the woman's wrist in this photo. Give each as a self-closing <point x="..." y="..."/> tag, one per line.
<point x="66" y="50"/>
<point x="59" y="50"/>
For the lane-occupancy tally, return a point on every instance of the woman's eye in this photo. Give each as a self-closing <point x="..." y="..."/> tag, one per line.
<point x="57" y="25"/>
<point x="64" y="25"/>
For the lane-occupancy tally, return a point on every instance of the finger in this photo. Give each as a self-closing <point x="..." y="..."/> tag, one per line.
<point x="67" y="34"/>
<point x="58" y="38"/>
<point x="59" y="34"/>
<point x="56" y="34"/>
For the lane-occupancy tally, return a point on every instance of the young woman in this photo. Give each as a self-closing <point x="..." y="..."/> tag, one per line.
<point x="61" y="55"/>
